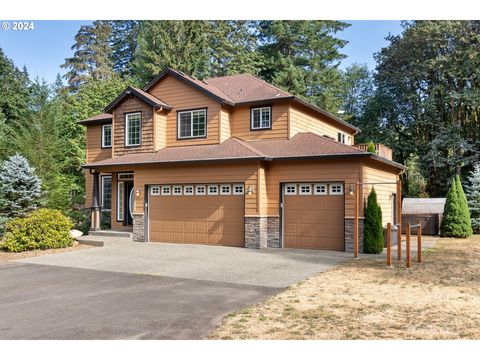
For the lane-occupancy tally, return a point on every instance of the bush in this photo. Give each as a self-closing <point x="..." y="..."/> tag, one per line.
<point x="456" y="217"/>
<point x="373" y="229"/>
<point x="42" y="229"/>
<point x="371" y="148"/>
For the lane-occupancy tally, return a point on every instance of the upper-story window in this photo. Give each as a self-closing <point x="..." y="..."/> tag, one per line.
<point x="341" y="137"/>
<point x="261" y="118"/>
<point x="133" y="129"/>
<point x="192" y="123"/>
<point x="106" y="135"/>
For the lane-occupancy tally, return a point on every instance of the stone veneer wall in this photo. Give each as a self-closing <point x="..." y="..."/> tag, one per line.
<point x="138" y="227"/>
<point x="273" y="232"/>
<point x="255" y="232"/>
<point x="349" y="226"/>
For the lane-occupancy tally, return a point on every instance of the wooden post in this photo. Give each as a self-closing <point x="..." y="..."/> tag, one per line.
<point x="389" y="244"/>
<point x="355" y="223"/>
<point x="419" y="242"/>
<point x="408" y="245"/>
<point x="399" y="219"/>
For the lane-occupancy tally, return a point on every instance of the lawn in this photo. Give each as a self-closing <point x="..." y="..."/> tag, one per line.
<point x="364" y="299"/>
<point x="7" y="256"/>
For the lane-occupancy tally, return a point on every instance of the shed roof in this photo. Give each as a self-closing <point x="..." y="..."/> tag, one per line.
<point x="423" y="205"/>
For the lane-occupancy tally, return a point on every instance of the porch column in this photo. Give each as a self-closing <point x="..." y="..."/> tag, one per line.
<point x="95" y="213"/>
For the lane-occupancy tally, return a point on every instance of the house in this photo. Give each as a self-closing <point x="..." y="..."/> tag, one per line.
<point x="230" y="161"/>
<point x="427" y="210"/>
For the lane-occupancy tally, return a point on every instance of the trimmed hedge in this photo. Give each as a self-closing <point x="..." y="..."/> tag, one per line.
<point x="456" y="216"/>
<point x="373" y="229"/>
<point x="42" y="229"/>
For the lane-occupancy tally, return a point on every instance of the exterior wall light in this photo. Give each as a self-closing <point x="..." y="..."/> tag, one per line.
<point x="350" y="192"/>
<point x="137" y="193"/>
<point x="250" y="190"/>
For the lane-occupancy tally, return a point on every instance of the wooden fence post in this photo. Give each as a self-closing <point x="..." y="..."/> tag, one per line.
<point x="419" y="242"/>
<point x="355" y="223"/>
<point x="399" y="219"/>
<point x="389" y="244"/>
<point x="408" y="245"/>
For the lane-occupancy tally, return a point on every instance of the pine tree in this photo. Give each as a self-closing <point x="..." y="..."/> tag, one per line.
<point x="373" y="229"/>
<point x="465" y="220"/>
<point x="20" y="188"/>
<point x="454" y="223"/>
<point x="473" y="195"/>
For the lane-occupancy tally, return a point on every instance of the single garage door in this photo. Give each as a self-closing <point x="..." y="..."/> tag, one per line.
<point x="313" y="216"/>
<point x="210" y="214"/>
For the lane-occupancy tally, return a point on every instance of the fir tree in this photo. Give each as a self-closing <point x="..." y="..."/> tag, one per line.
<point x="465" y="220"/>
<point x="123" y="42"/>
<point x="373" y="229"/>
<point x="473" y="195"/>
<point x="454" y="221"/>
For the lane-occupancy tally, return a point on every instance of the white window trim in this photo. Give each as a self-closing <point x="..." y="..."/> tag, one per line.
<point x="309" y="189"/>
<point x="103" y="136"/>
<point x="125" y="176"/>
<point x="200" y="186"/>
<point x="191" y="124"/>
<point x="120" y="190"/>
<point x="212" y="193"/>
<point x="336" y="193"/>
<point x="169" y="190"/>
<point x="261" y="127"/>
<point x="324" y="192"/>
<point x="228" y="186"/>
<point x="235" y="192"/>
<point x="102" y="185"/>
<point x="176" y="187"/>
<point x="127" y="116"/>
<point x="155" y="190"/>
<point x="286" y="187"/>
<point x="188" y="187"/>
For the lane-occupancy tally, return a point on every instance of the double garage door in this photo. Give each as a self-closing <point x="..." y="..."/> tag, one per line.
<point x="313" y="216"/>
<point x="210" y="214"/>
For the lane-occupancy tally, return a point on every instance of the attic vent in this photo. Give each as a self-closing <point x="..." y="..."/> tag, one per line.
<point x="242" y="91"/>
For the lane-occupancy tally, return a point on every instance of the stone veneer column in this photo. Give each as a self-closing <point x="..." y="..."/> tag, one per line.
<point x="273" y="230"/>
<point x="138" y="227"/>
<point x="349" y="226"/>
<point x="256" y="232"/>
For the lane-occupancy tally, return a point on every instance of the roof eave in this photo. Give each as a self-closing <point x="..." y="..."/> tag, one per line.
<point x="96" y="121"/>
<point x="130" y="91"/>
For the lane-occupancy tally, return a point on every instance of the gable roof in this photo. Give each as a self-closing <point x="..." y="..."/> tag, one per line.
<point x="301" y="146"/>
<point x="139" y="93"/>
<point x="97" y="119"/>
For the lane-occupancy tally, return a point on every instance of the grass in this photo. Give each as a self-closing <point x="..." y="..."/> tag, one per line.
<point x="364" y="299"/>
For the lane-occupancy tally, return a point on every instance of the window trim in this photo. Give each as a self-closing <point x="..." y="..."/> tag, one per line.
<point x="103" y="136"/>
<point x="185" y="187"/>
<point x="336" y="193"/>
<point x="191" y="111"/>
<point x="252" y="128"/>
<point x="177" y="186"/>
<point x="120" y="204"/>
<point x="309" y="189"/>
<point x="229" y="186"/>
<point x="341" y="137"/>
<point x="204" y="190"/>
<point x="234" y="190"/>
<point x="315" y="192"/>
<point x="102" y="178"/>
<point x="157" y="191"/>
<point x="291" y="184"/>
<point x="127" y="114"/>
<point x="164" y="187"/>
<point x="213" y="193"/>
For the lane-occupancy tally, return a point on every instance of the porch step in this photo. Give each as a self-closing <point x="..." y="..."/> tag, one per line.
<point x="111" y="233"/>
<point x="91" y="240"/>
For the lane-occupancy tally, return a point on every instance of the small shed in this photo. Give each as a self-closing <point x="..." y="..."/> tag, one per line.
<point x="427" y="210"/>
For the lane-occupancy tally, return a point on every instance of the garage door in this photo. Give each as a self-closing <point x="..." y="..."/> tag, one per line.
<point x="313" y="216"/>
<point x="210" y="214"/>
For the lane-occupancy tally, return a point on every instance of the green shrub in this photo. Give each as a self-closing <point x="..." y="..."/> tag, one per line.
<point x="371" y="148"/>
<point x="373" y="229"/>
<point x="42" y="229"/>
<point x="456" y="217"/>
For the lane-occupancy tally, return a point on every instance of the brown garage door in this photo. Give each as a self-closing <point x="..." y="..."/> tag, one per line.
<point x="313" y="216"/>
<point x="210" y="214"/>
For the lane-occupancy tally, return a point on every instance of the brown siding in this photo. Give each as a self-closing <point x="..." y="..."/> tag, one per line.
<point x="183" y="97"/>
<point x="302" y="120"/>
<point x="94" y="144"/>
<point x="240" y="124"/>
<point x="224" y="125"/>
<point x="303" y="171"/>
<point x="133" y="104"/>
<point x="160" y="126"/>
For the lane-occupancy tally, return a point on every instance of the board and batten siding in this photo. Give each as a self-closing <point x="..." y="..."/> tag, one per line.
<point x="302" y="121"/>
<point x="379" y="174"/>
<point x="160" y="127"/>
<point x="183" y="97"/>
<point x="225" y="118"/>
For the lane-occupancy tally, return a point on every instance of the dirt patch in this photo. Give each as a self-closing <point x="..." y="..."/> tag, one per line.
<point x="7" y="256"/>
<point x="364" y="299"/>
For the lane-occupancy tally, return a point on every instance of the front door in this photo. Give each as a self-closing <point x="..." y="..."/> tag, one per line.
<point x="128" y="204"/>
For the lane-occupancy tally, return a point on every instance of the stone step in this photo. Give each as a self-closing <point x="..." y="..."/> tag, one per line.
<point x="111" y="233"/>
<point x="91" y="240"/>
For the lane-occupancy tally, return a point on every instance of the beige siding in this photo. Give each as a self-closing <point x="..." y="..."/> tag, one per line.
<point x="94" y="144"/>
<point x="224" y="125"/>
<point x="378" y="174"/>
<point x="184" y="97"/>
<point x="160" y="125"/>
<point x="302" y="120"/>
<point x="240" y="124"/>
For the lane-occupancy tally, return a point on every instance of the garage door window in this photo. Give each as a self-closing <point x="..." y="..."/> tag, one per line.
<point x="177" y="190"/>
<point x="188" y="190"/>
<point x="225" y="189"/>
<point x="212" y="190"/>
<point x="305" y="189"/>
<point x="291" y="189"/>
<point x="336" y="189"/>
<point x="320" y="189"/>
<point x="155" y="190"/>
<point x="165" y="190"/>
<point x="238" y="189"/>
<point x="200" y="190"/>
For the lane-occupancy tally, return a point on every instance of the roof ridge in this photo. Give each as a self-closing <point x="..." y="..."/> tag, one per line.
<point x="247" y="146"/>
<point x="267" y="83"/>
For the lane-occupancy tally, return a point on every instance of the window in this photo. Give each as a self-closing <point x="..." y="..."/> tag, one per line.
<point x="188" y="190"/>
<point x="200" y="189"/>
<point x="260" y="118"/>
<point x="341" y="137"/>
<point x="133" y="129"/>
<point x="238" y="189"/>
<point x="125" y="176"/>
<point x="320" y="189"/>
<point x="336" y="189"/>
<point x="107" y="136"/>
<point x="225" y="189"/>
<point x="290" y="189"/>
<point x="165" y="190"/>
<point x="192" y="124"/>
<point x="120" y="193"/>
<point x="106" y="193"/>
<point x="212" y="189"/>
<point x="177" y="190"/>
<point x="305" y="189"/>
<point x="155" y="190"/>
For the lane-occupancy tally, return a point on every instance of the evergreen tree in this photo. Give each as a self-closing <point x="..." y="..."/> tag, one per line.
<point x="20" y="188"/>
<point x="373" y="229"/>
<point x="454" y="223"/>
<point x="371" y="147"/>
<point x="465" y="220"/>
<point x="473" y="195"/>
<point x="123" y="43"/>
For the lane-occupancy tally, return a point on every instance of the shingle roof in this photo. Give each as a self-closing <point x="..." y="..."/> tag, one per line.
<point x="303" y="145"/>
<point x="423" y="205"/>
<point x="143" y="95"/>
<point x="97" y="119"/>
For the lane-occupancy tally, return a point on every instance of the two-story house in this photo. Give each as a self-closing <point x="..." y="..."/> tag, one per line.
<point x="229" y="161"/>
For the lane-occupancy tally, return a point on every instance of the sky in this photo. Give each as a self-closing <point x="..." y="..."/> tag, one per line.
<point x="43" y="49"/>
